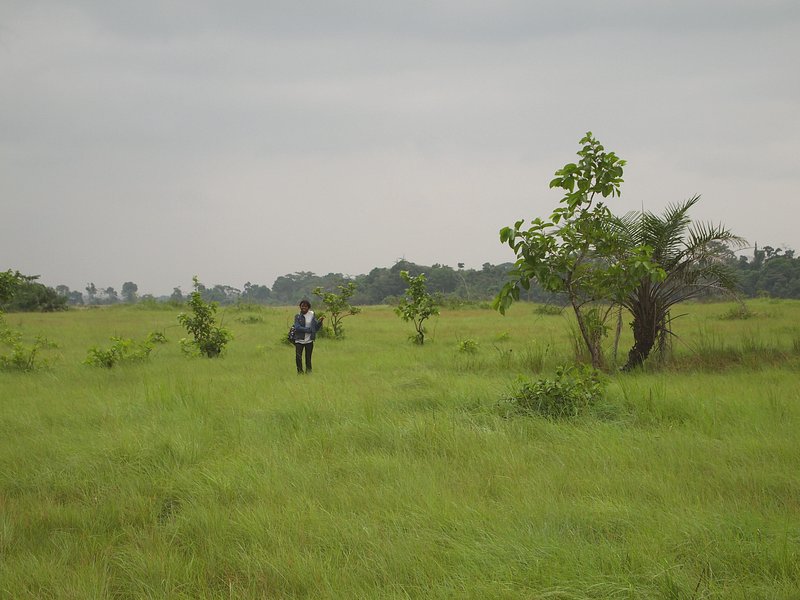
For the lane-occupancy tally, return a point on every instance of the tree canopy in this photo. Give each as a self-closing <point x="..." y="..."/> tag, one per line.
<point x="578" y="252"/>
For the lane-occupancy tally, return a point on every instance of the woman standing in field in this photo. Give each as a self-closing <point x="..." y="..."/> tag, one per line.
<point x="306" y="326"/>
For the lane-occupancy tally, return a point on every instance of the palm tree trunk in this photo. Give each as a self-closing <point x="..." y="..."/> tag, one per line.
<point x="646" y="325"/>
<point x="644" y="335"/>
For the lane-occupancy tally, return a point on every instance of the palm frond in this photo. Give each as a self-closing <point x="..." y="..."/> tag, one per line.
<point x="665" y="233"/>
<point x="692" y="256"/>
<point x="703" y="234"/>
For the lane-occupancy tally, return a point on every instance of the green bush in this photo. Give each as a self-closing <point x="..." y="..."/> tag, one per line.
<point x="156" y="337"/>
<point x="210" y="339"/>
<point x="121" y="350"/>
<point x="338" y="306"/>
<point x="468" y="346"/>
<point x="416" y="305"/>
<point x="571" y="393"/>
<point x="22" y="357"/>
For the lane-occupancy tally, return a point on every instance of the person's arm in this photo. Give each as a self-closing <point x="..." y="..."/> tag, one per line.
<point x="316" y="323"/>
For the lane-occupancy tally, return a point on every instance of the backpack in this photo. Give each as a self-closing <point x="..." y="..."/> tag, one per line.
<point x="291" y="336"/>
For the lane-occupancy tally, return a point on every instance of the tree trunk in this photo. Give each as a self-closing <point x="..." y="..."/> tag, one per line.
<point x="617" y="334"/>
<point x="592" y="344"/>
<point x="646" y="324"/>
<point x="644" y="336"/>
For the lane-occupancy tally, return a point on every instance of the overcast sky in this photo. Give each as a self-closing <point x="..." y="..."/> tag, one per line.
<point x="149" y="141"/>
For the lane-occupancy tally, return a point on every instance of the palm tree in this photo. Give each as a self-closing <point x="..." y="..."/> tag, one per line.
<point x="690" y="255"/>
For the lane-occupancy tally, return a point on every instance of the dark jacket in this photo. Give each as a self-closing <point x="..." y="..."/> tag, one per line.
<point x="301" y="330"/>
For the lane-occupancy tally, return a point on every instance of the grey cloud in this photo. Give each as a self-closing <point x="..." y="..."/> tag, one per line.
<point x="397" y="122"/>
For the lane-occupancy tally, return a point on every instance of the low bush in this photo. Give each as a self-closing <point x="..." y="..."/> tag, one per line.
<point x="21" y="356"/>
<point x="573" y="391"/>
<point x="121" y="350"/>
<point x="156" y="337"/>
<point x="468" y="346"/>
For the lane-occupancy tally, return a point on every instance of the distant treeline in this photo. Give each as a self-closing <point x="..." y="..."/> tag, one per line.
<point x="769" y="272"/>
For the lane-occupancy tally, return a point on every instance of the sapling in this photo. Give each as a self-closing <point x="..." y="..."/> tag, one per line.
<point x="416" y="305"/>
<point x="210" y="339"/>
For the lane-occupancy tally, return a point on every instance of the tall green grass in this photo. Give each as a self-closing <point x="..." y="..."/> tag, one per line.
<point x="391" y="473"/>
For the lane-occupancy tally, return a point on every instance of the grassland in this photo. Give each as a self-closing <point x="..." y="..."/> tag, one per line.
<point x="391" y="473"/>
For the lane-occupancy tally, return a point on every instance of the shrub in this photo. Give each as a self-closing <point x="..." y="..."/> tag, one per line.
<point x="416" y="305"/>
<point x="338" y="306"/>
<point x="22" y="357"/>
<point x="571" y="393"/>
<point x="468" y="346"/>
<point x="210" y="339"/>
<point x="121" y="350"/>
<point x="156" y="337"/>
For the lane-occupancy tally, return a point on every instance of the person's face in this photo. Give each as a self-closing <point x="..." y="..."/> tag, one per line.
<point x="304" y="308"/>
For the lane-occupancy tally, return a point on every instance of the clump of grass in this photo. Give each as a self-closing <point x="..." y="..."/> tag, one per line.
<point x="548" y="309"/>
<point x="649" y="405"/>
<point x="712" y="351"/>
<point x="738" y="312"/>
<point x="533" y="357"/>
<point x="250" y="319"/>
<point x="505" y="357"/>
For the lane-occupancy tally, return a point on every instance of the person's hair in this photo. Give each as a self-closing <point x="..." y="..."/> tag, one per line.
<point x="305" y="301"/>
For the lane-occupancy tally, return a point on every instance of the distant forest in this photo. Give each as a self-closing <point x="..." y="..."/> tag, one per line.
<point x="770" y="272"/>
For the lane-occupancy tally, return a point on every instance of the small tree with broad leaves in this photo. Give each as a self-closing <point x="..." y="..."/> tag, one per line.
<point x="338" y="305"/>
<point x="416" y="305"/>
<point x="10" y="281"/>
<point x="578" y="251"/>
<point x="210" y="339"/>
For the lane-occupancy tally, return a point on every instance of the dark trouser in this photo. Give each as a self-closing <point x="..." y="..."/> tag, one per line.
<point x="298" y="355"/>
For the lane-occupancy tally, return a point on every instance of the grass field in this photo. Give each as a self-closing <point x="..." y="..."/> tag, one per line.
<point x="391" y="473"/>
